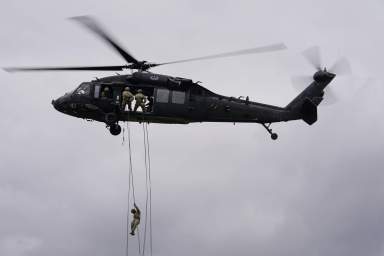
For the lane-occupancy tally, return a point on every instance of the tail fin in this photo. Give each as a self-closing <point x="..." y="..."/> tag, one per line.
<point x="304" y="106"/>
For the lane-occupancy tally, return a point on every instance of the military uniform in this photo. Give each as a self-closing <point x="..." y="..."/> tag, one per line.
<point x="136" y="219"/>
<point x="106" y="93"/>
<point x="140" y="100"/>
<point x="127" y="98"/>
<point x="149" y="105"/>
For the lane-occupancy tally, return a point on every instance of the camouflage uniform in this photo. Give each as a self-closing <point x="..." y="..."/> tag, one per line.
<point x="106" y="93"/>
<point x="136" y="219"/>
<point x="127" y="98"/>
<point x="140" y="100"/>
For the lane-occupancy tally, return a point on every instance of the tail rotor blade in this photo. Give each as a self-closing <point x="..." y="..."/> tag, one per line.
<point x="330" y="97"/>
<point x="342" y="67"/>
<point x="301" y="82"/>
<point x="313" y="56"/>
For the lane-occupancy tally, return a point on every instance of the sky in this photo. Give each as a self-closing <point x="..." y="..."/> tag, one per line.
<point x="217" y="189"/>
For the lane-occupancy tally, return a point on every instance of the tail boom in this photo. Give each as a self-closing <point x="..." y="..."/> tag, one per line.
<point x="304" y="106"/>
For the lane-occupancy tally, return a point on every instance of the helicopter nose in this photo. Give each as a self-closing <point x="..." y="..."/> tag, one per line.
<point x="55" y="104"/>
<point x="58" y="104"/>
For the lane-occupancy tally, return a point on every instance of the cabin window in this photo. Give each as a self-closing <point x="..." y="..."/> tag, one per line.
<point x="178" y="97"/>
<point x="162" y="95"/>
<point x="97" y="91"/>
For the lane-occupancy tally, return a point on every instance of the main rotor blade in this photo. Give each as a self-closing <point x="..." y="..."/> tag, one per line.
<point x="267" y="48"/>
<point x="92" y="25"/>
<point x="99" y="68"/>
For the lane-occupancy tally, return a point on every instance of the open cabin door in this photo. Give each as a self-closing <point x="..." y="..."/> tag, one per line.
<point x="106" y="97"/>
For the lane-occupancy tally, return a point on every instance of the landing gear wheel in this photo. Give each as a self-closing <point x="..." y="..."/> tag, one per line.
<point x="115" y="129"/>
<point x="269" y="130"/>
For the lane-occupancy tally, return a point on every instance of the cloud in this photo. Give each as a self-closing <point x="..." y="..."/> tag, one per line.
<point x="19" y="245"/>
<point x="218" y="189"/>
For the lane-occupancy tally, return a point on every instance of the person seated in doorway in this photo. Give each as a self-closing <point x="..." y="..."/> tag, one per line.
<point x="106" y="93"/>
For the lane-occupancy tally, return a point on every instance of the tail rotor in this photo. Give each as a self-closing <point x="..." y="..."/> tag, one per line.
<point x="313" y="56"/>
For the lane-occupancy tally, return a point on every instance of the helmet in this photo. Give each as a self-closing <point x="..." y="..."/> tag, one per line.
<point x="127" y="88"/>
<point x="139" y="90"/>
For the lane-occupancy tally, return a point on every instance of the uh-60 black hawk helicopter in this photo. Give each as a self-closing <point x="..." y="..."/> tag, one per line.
<point x="175" y="100"/>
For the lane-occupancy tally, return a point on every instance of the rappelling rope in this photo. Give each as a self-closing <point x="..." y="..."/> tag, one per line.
<point x="148" y="203"/>
<point x="131" y="186"/>
<point x="150" y="189"/>
<point x="123" y="140"/>
<point x="146" y="188"/>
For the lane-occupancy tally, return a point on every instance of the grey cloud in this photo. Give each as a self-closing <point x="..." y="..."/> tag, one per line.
<point x="218" y="189"/>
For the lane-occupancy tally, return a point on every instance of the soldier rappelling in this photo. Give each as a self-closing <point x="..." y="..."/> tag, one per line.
<point x="136" y="219"/>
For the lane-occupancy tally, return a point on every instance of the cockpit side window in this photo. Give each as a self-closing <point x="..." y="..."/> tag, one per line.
<point x="97" y="91"/>
<point x="83" y="89"/>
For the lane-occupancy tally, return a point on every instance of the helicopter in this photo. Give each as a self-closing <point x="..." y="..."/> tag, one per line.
<point x="175" y="100"/>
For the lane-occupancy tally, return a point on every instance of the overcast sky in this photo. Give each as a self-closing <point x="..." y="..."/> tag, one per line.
<point x="218" y="189"/>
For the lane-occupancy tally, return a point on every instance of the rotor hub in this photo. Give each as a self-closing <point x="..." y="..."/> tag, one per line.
<point x="323" y="76"/>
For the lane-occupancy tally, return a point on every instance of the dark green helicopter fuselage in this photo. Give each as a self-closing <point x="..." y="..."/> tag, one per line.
<point x="174" y="100"/>
<point x="181" y="101"/>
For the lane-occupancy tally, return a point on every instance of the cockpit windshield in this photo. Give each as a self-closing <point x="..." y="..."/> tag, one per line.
<point x="83" y="89"/>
